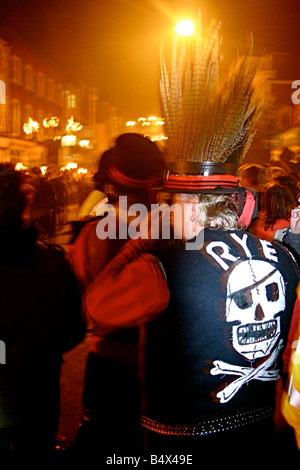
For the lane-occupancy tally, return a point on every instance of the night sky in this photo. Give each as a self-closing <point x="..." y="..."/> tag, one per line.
<point x="115" y="43"/>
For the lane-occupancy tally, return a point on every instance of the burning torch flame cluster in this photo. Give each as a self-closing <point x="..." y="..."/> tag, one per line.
<point x="69" y="166"/>
<point x="33" y="126"/>
<point x="51" y="122"/>
<point x="73" y="126"/>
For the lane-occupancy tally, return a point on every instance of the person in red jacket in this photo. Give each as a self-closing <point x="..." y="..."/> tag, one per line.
<point x="111" y="396"/>
<point x="291" y="396"/>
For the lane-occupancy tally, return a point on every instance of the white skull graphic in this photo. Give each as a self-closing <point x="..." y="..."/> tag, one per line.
<point x="255" y="298"/>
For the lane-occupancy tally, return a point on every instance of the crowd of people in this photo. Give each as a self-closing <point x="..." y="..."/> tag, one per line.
<point x="193" y="325"/>
<point x="55" y="191"/>
<point x="132" y="300"/>
<point x="40" y="320"/>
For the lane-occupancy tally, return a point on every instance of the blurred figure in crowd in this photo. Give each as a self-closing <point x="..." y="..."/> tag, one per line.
<point x="278" y="201"/>
<point x="94" y="204"/>
<point x="291" y="182"/>
<point x="40" y="319"/>
<point x="274" y="172"/>
<point x="253" y="176"/>
<point x="44" y="204"/>
<point x="111" y="398"/>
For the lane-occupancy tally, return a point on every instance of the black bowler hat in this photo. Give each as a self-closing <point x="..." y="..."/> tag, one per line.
<point x="100" y="176"/>
<point x="135" y="162"/>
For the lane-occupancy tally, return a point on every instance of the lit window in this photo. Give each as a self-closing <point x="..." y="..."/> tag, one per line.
<point x="29" y="84"/>
<point x="41" y="84"/>
<point x="2" y="92"/>
<point x="71" y="103"/>
<point x="3" y="107"/>
<point x="51" y="90"/>
<point x="16" y="70"/>
<point x="15" y="117"/>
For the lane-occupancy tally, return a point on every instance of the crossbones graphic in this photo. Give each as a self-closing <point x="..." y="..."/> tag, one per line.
<point x="246" y="373"/>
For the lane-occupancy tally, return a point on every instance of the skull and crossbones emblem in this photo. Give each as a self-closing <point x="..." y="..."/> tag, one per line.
<point x="255" y="299"/>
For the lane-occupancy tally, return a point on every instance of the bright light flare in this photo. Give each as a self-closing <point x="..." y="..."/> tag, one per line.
<point x="19" y="167"/>
<point x="184" y="28"/>
<point x="84" y="143"/>
<point x="51" y="122"/>
<point x="69" y="166"/>
<point x="72" y="125"/>
<point x="30" y="126"/>
<point x="68" y="140"/>
<point x="161" y="137"/>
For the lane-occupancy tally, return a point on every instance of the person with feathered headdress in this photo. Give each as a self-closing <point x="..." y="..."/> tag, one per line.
<point x="209" y="361"/>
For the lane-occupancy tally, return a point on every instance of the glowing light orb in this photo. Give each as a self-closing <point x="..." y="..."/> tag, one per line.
<point x="184" y="28"/>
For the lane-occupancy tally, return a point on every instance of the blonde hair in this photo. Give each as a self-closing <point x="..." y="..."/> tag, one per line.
<point x="219" y="211"/>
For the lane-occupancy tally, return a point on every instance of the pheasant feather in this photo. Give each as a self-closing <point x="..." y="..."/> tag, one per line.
<point x="206" y="119"/>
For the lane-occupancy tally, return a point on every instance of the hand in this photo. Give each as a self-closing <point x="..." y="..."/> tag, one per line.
<point x="295" y="220"/>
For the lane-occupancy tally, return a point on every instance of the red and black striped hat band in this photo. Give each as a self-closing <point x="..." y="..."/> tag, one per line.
<point x="215" y="184"/>
<point x="199" y="182"/>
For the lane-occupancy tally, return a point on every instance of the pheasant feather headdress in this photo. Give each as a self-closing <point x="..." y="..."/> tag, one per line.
<point x="208" y="122"/>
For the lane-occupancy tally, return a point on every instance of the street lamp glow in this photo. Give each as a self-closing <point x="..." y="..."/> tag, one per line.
<point x="184" y="28"/>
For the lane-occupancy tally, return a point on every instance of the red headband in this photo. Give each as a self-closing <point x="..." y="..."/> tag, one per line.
<point x="124" y="180"/>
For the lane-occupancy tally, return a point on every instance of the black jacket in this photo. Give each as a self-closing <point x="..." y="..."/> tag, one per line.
<point x="40" y="319"/>
<point x="217" y="348"/>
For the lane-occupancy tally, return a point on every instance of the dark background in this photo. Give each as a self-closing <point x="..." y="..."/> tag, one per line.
<point x="115" y="44"/>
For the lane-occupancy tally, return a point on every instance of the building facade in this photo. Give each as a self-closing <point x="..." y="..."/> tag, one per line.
<point x="37" y="102"/>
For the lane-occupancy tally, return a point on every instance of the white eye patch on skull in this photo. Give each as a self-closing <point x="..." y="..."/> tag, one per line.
<point x="244" y="299"/>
